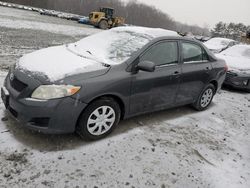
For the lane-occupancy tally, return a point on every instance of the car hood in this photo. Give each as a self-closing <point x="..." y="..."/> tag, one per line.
<point x="214" y="48"/>
<point x="238" y="64"/>
<point x="57" y="63"/>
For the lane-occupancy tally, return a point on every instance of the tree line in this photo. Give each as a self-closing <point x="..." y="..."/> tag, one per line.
<point x="134" y="12"/>
<point x="230" y="30"/>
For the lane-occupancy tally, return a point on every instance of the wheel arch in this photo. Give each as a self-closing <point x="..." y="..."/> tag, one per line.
<point x="112" y="96"/>
<point x="215" y="83"/>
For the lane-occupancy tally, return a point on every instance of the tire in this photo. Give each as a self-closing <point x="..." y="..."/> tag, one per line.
<point x="205" y="98"/>
<point x="103" y="24"/>
<point x="89" y="127"/>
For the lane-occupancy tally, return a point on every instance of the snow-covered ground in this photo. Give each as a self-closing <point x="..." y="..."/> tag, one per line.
<point x="63" y="15"/>
<point x="175" y="148"/>
<point x="19" y="20"/>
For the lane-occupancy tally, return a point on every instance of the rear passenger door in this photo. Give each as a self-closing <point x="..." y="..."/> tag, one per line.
<point x="196" y="70"/>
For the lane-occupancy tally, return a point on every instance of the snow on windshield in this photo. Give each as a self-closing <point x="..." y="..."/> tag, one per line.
<point x="117" y="45"/>
<point x="238" y="51"/>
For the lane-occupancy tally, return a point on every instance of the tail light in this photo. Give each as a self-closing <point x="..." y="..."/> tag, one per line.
<point x="226" y="67"/>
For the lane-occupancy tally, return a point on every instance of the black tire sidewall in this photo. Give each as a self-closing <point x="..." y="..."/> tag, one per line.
<point x="82" y="123"/>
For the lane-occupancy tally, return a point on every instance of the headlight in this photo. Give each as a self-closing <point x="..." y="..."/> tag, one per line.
<point x="46" y="92"/>
<point x="245" y="82"/>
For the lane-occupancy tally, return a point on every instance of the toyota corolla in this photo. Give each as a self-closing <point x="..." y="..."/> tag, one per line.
<point x="89" y="86"/>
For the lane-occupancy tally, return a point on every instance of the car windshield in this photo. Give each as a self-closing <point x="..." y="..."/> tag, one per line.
<point x="238" y="51"/>
<point x="117" y="45"/>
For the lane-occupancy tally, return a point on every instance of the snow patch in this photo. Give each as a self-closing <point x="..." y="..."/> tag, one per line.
<point x="217" y="44"/>
<point x="237" y="58"/>
<point x="50" y="27"/>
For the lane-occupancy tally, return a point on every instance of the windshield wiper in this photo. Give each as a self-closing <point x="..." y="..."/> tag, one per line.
<point x="89" y="52"/>
<point x="87" y="57"/>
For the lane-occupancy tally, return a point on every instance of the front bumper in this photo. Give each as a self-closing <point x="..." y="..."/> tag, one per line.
<point x="55" y="116"/>
<point x="241" y="82"/>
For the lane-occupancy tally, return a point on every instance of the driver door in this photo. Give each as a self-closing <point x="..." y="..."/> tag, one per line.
<point x="156" y="90"/>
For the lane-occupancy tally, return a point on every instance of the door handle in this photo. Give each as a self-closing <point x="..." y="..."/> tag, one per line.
<point x="176" y="73"/>
<point x="208" y="68"/>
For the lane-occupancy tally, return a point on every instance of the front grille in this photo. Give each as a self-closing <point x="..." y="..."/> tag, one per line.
<point x="17" y="84"/>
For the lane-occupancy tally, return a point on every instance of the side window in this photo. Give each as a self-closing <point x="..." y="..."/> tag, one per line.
<point x="162" y="53"/>
<point x="192" y="52"/>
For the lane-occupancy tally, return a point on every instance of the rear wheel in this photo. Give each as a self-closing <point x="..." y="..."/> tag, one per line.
<point x="103" y="24"/>
<point x="205" y="98"/>
<point x="99" y="119"/>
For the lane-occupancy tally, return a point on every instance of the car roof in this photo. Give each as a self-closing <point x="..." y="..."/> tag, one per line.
<point x="176" y="38"/>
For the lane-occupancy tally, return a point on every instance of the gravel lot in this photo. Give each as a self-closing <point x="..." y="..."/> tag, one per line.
<point x="22" y="32"/>
<point x="174" y="148"/>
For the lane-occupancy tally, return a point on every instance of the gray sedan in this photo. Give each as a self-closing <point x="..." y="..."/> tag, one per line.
<point x="90" y="85"/>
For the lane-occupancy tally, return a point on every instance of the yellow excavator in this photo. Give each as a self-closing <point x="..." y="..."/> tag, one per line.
<point x="104" y="19"/>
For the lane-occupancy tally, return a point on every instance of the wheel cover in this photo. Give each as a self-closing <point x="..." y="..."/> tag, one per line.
<point x="101" y="120"/>
<point x="206" y="97"/>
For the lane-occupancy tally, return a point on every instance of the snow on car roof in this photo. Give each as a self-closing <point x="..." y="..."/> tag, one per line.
<point x="117" y="45"/>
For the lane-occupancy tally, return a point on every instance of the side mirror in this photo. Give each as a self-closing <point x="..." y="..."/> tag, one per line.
<point x="147" y="66"/>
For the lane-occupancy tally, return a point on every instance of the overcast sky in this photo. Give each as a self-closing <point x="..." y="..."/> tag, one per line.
<point x="204" y="12"/>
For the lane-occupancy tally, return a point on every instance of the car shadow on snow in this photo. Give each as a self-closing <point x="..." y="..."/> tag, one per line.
<point x="232" y="90"/>
<point x="43" y="142"/>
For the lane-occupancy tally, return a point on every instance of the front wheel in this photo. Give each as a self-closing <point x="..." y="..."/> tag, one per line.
<point x="103" y="24"/>
<point x="205" y="98"/>
<point x="99" y="119"/>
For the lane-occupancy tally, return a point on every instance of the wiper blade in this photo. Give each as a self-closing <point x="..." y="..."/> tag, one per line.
<point x="87" y="57"/>
<point x="89" y="52"/>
